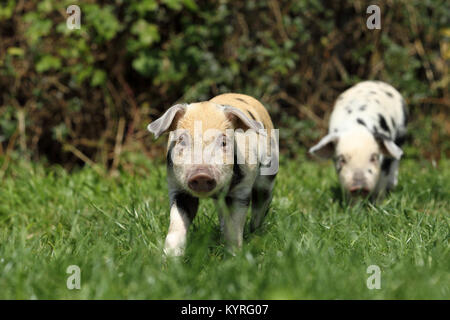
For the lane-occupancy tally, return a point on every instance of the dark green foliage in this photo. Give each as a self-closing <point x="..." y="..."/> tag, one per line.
<point x="133" y="59"/>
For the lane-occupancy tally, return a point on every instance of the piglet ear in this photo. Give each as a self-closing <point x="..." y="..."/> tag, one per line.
<point x="246" y="121"/>
<point x="388" y="147"/>
<point x="160" y="125"/>
<point x="325" y="147"/>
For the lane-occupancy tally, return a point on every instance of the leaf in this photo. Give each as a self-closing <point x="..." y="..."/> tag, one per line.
<point x="7" y="10"/>
<point x="98" y="78"/>
<point x="48" y="62"/>
<point x="104" y="21"/>
<point x="190" y="4"/>
<point x="147" y="33"/>
<point x="15" y="51"/>
<point x="173" y="4"/>
<point x="145" y="64"/>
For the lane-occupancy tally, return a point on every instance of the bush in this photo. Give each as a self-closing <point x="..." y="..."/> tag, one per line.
<point x="86" y="96"/>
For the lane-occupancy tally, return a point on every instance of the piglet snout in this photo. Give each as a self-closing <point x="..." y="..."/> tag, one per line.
<point x="201" y="182"/>
<point x="359" y="190"/>
<point x="358" y="186"/>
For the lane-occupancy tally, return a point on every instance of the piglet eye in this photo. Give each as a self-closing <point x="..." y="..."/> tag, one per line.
<point x="182" y="141"/>
<point x="374" y="157"/>
<point x="341" y="160"/>
<point x="223" y="141"/>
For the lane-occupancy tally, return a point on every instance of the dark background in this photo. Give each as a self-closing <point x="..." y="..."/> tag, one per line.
<point x="86" y="96"/>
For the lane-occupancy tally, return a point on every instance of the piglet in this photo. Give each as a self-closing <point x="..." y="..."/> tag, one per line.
<point x="226" y="149"/>
<point x="367" y="128"/>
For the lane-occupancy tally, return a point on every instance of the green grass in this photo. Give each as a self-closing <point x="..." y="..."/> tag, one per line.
<point x="310" y="247"/>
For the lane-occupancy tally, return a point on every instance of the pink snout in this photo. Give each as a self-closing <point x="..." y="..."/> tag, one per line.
<point x="359" y="186"/>
<point x="202" y="183"/>
<point x="358" y="190"/>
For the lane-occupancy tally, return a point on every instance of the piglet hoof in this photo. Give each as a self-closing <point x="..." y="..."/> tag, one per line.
<point x="174" y="251"/>
<point x="172" y="247"/>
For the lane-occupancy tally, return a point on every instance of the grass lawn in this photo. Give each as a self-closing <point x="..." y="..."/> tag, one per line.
<point x="310" y="247"/>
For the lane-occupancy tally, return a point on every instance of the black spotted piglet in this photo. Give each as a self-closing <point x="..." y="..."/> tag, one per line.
<point x="367" y="128"/>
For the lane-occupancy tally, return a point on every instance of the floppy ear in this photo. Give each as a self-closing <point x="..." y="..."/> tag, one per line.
<point x="160" y="125"/>
<point x="325" y="147"/>
<point x="388" y="147"/>
<point x="246" y="121"/>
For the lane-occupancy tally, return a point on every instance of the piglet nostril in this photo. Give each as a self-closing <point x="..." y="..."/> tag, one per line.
<point x="193" y="183"/>
<point x="359" y="191"/>
<point x="202" y="183"/>
<point x="355" y="189"/>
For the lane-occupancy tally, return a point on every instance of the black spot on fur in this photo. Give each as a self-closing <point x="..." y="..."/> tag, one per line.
<point x="380" y="136"/>
<point x="187" y="203"/>
<point x="363" y="107"/>
<point x="228" y="201"/>
<point x="238" y="175"/>
<point x="240" y="99"/>
<point x="372" y="92"/>
<point x="349" y="111"/>
<point x="377" y="101"/>
<point x="259" y="195"/>
<point x="389" y="94"/>
<point x="361" y="122"/>
<point x="169" y="155"/>
<point x="383" y="123"/>
<point x="400" y="140"/>
<point x="386" y="165"/>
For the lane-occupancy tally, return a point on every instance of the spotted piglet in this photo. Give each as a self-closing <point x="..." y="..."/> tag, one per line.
<point x="224" y="148"/>
<point x="367" y="128"/>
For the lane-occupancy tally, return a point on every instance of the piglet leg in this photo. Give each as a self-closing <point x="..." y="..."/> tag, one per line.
<point x="183" y="209"/>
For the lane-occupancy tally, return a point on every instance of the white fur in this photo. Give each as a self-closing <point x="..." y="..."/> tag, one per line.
<point x="176" y="236"/>
<point x="360" y="95"/>
<point x="365" y="122"/>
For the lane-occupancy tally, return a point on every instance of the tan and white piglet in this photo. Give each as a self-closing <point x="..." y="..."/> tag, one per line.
<point x="226" y="149"/>
<point x="367" y="128"/>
